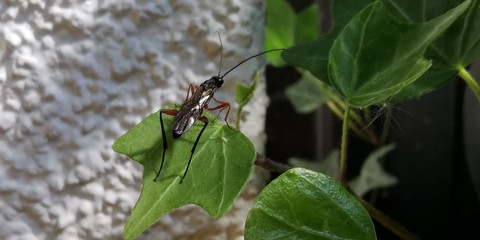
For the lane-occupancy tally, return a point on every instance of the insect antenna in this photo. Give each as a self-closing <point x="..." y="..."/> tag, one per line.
<point x="254" y="56"/>
<point x="221" y="54"/>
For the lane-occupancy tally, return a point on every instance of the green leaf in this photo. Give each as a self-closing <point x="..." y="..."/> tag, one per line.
<point x="437" y="75"/>
<point x="462" y="41"/>
<point x="306" y="25"/>
<point x="220" y="167"/>
<point x="279" y="30"/>
<point x="343" y="11"/>
<point x="244" y="93"/>
<point x="302" y="204"/>
<point x="457" y="47"/>
<point x="285" y="28"/>
<point x="415" y="11"/>
<point x="375" y="56"/>
<point x="304" y="96"/>
<point x="313" y="55"/>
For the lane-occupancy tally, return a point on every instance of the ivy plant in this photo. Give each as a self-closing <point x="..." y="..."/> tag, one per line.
<point x="303" y="204"/>
<point x="220" y="168"/>
<point x="378" y="52"/>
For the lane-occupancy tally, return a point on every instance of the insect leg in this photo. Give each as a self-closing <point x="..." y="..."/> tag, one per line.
<point x="164" y="138"/>
<point x="223" y="105"/>
<point x="191" y="90"/>
<point x="205" y="120"/>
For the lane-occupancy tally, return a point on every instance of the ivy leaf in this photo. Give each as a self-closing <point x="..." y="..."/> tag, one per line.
<point x="456" y="48"/>
<point x="244" y="93"/>
<point x="306" y="25"/>
<point x="220" y="167"/>
<point x="285" y="28"/>
<point x="375" y="56"/>
<point x="304" y="97"/>
<point x="279" y="31"/>
<point x="302" y="204"/>
<point x="372" y="175"/>
<point x="313" y="55"/>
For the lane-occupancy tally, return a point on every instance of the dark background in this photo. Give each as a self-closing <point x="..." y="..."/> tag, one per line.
<point x="437" y="158"/>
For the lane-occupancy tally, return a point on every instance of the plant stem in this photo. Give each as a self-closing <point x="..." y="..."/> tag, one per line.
<point x="353" y="125"/>
<point x="465" y="75"/>
<point x="344" y="146"/>
<point x="271" y="165"/>
<point x="336" y="104"/>
<point x="237" y="119"/>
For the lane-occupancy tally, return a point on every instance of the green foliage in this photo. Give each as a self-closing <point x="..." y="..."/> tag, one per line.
<point x="381" y="54"/>
<point x="220" y="168"/>
<point x="313" y="55"/>
<point x="372" y="174"/>
<point x="306" y="25"/>
<point x="243" y="95"/>
<point x="304" y="96"/>
<point x="457" y="48"/>
<point x="377" y="52"/>
<point x="280" y="26"/>
<point x="374" y="57"/>
<point x="302" y="204"/>
<point x="285" y="28"/>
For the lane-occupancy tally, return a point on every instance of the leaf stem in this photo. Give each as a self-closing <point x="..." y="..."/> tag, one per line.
<point x="269" y="164"/>
<point x="336" y="104"/>
<point x="344" y="146"/>
<point x="353" y="125"/>
<point x="465" y="75"/>
<point x="238" y="117"/>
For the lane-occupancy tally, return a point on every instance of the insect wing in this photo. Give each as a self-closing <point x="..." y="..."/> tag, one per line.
<point x="185" y="119"/>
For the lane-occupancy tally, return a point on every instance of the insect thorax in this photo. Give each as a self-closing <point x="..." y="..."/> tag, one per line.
<point x="212" y="84"/>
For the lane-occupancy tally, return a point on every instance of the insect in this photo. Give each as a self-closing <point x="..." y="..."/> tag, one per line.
<point x="192" y="109"/>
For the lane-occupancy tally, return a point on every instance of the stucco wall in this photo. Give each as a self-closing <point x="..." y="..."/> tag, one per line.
<point x="75" y="75"/>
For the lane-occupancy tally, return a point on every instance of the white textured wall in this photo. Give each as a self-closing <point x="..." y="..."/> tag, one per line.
<point x="75" y="75"/>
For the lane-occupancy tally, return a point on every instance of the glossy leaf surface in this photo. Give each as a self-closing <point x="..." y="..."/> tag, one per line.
<point x="302" y="204"/>
<point x="375" y="56"/>
<point x="457" y="47"/>
<point x="313" y="55"/>
<point x="285" y="28"/>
